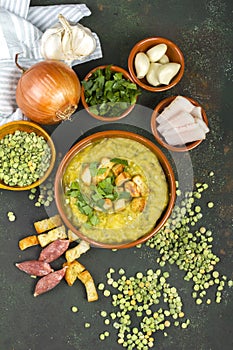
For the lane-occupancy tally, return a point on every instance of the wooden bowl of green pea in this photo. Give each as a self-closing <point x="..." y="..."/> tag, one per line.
<point x="27" y="155"/>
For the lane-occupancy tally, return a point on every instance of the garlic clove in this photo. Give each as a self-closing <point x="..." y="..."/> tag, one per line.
<point x="152" y="75"/>
<point x="142" y="64"/>
<point x="66" y="45"/>
<point x="51" y="44"/>
<point x="83" y="41"/>
<point x="164" y="59"/>
<point x="167" y="71"/>
<point x="156" y="52"/>
<point x="52" y="50"/>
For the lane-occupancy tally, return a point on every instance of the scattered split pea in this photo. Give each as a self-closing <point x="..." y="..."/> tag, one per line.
<point x="11" y="216"/>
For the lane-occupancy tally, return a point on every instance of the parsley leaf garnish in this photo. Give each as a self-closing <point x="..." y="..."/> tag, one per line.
<point x="82" y="203"/>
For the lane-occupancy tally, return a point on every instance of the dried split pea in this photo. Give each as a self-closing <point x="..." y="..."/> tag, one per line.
<point x="103" y="313"/>
<point x="106" y="293"/>
<point x="101" y="286"/>
<point x="11" y="216"/>
<point x="230" y="283"/>
<point x="102" y="336"/>
<point x="74" y="309"/>
<point x="215" y="274"/>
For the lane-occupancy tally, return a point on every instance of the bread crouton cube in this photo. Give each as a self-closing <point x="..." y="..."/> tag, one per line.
<point x="72" y="236"/>
<point x="74" y="253"/>
<point x="48" y="224"/>
<point x="86" y="278"/>
<point x="73" y="270"/>
<point x="28" y="241"/>
<point x="138" y="204"/>
<point x="52" y="235"/>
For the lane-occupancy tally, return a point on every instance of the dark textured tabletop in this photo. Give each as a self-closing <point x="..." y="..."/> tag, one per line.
<point x="203" y="31"/>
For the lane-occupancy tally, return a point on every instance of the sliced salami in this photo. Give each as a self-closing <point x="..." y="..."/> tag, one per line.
<point x="50" y="281"/>
<point x="35" y="267"/>
<point x="54" y="250"/>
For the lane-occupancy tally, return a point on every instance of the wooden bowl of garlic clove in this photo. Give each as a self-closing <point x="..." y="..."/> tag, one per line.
<point x="156" y="64"/>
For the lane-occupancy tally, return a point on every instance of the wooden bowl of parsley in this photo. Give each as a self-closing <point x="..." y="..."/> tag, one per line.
<point x="109" y="93"/>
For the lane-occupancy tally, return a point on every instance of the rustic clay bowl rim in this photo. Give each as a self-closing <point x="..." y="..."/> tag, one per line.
<point x="98" y="136"/>
<point x="28" y="126"/>
<point x="86" y="106"/>
<point x="143" y="46"/>
<point x="158" y="109"/>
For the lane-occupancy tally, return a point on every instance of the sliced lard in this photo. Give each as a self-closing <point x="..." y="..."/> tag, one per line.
<point x="184" y="134"/>
<point x="179" y="104"/>
<point x="181" y="119"/>
<point x="196" y="112"/>
<point x="202" y="125"/>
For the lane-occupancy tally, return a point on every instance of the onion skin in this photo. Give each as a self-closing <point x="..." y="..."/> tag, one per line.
<point x="48" y="92"/>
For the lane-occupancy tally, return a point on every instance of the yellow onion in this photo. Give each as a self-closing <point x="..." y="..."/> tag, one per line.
<point x="48" y="92"/>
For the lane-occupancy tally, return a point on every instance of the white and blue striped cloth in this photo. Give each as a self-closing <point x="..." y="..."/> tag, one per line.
<point x="21" y="28"/>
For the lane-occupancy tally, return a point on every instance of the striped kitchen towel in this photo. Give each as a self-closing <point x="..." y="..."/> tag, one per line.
<point x="21" y="28"/>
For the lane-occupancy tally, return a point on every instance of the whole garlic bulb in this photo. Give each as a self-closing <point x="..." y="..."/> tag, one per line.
<point x="67" y="42"/>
